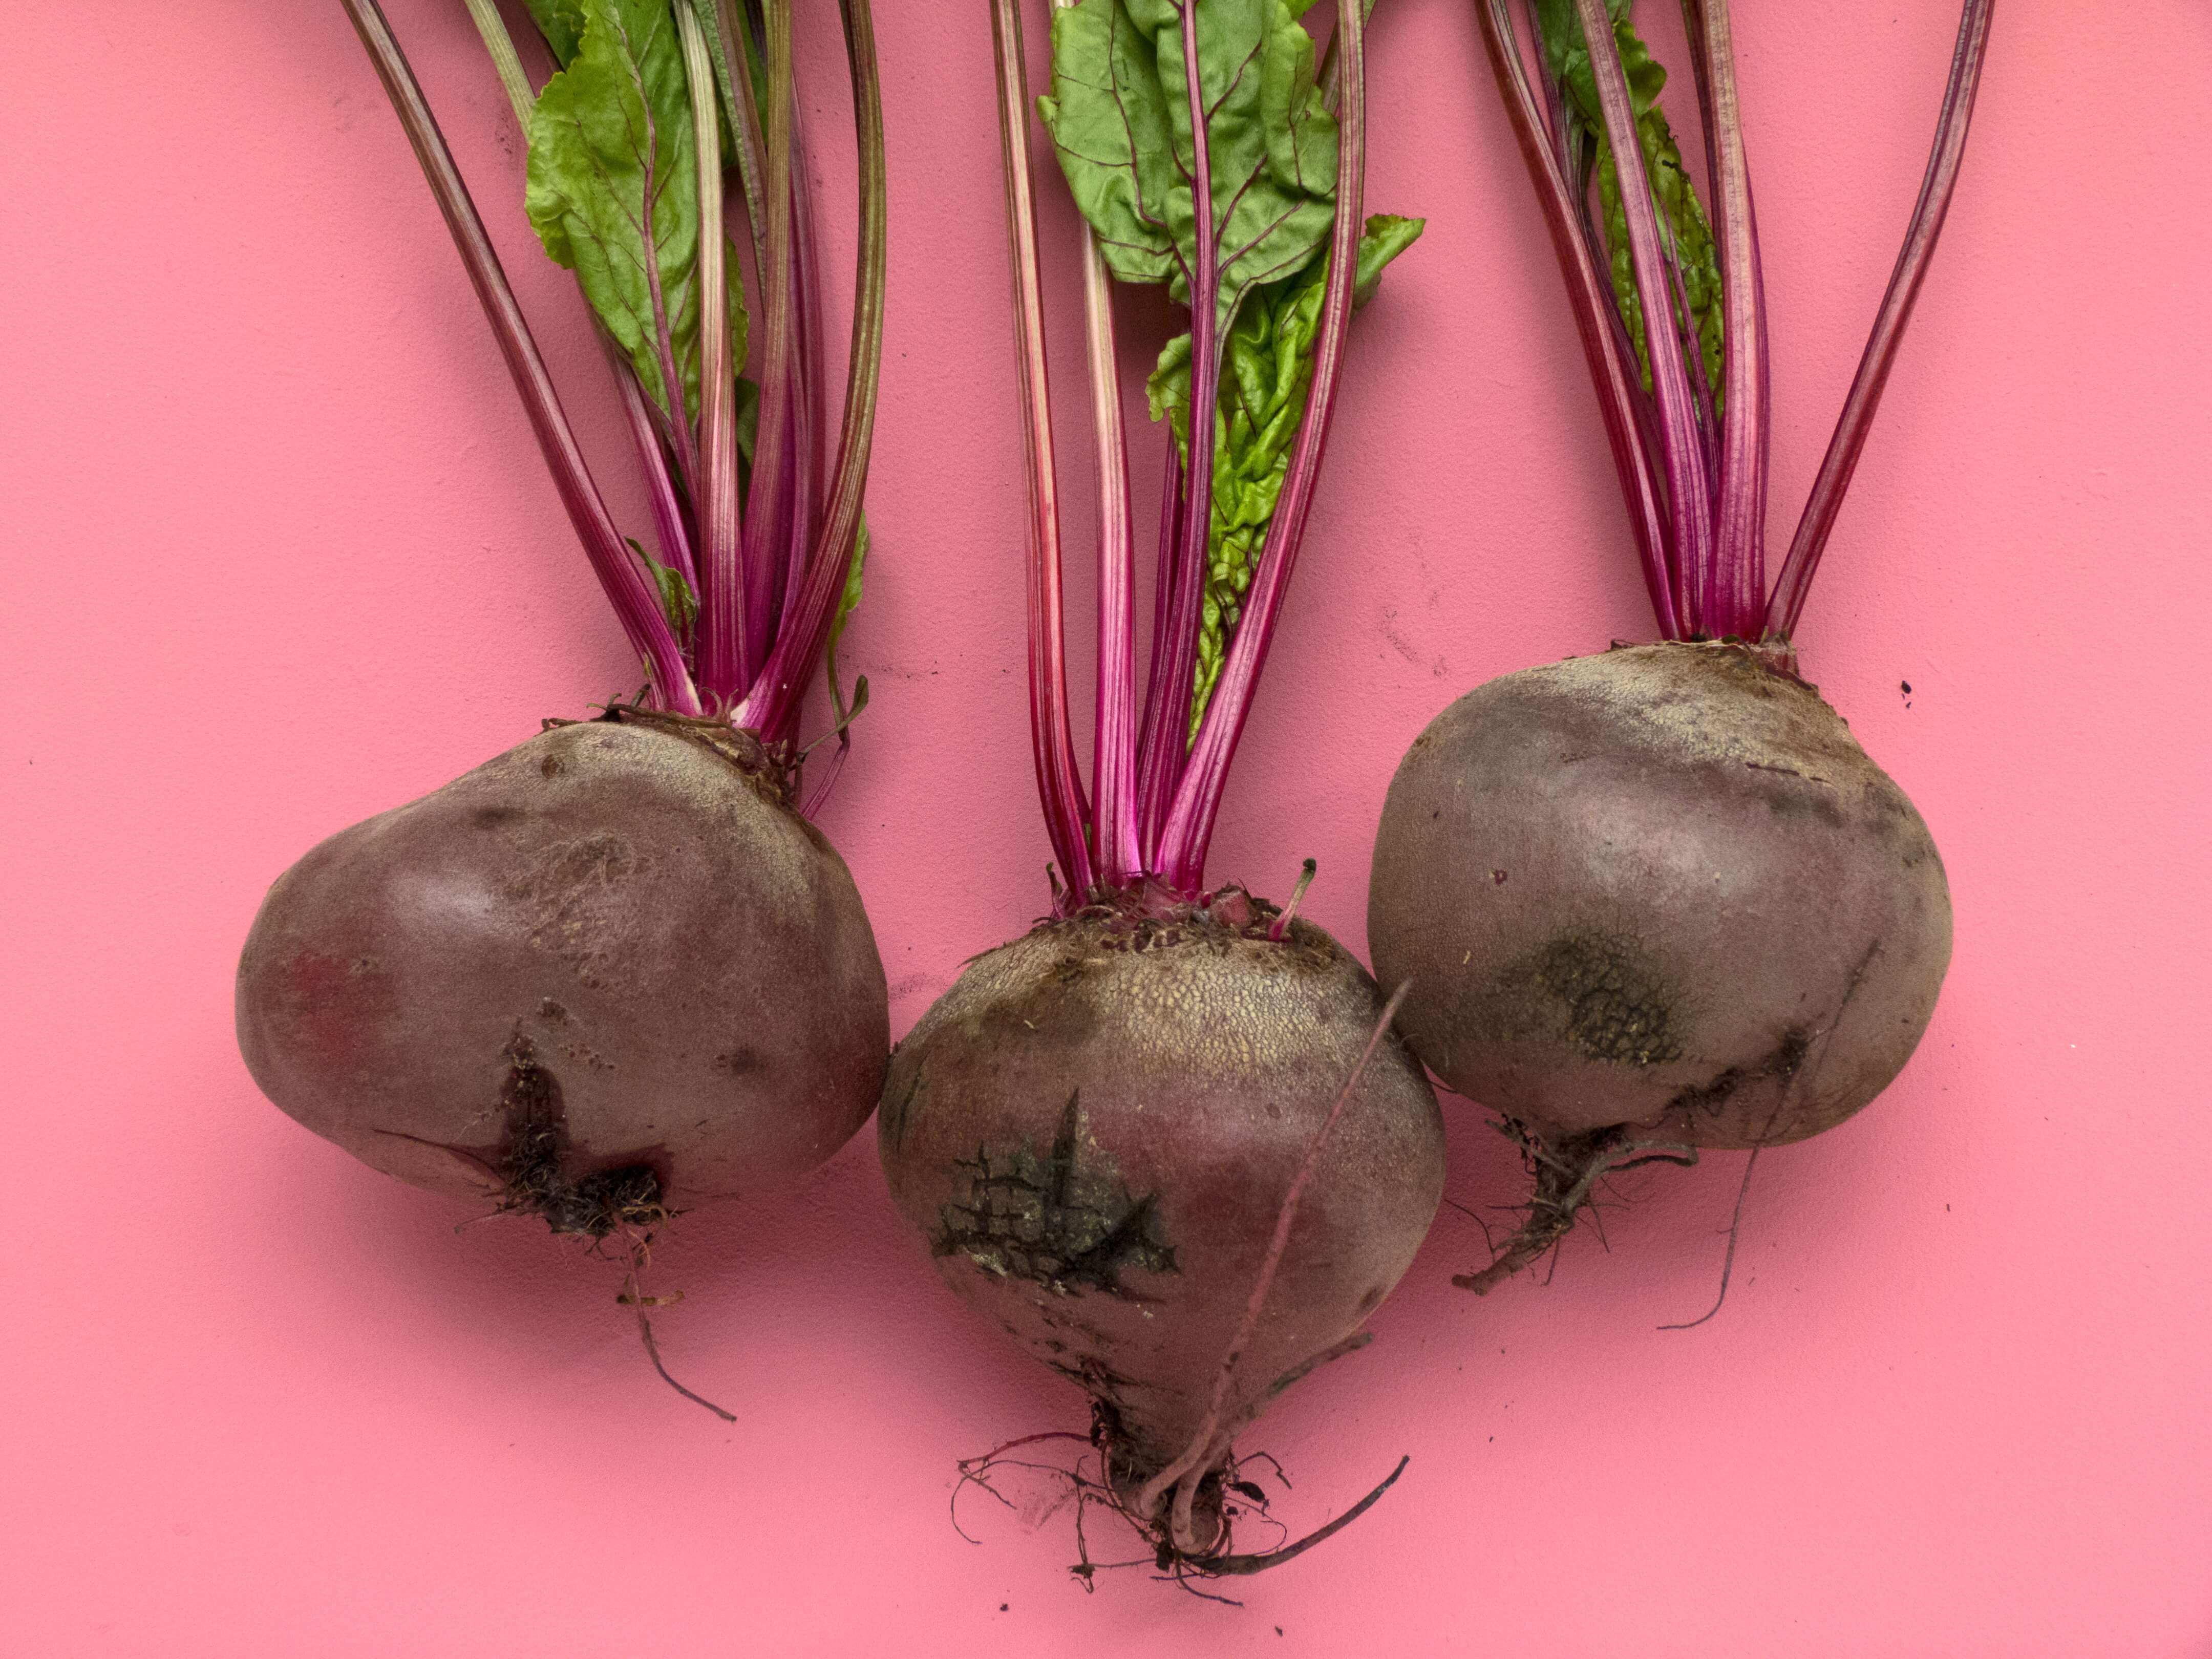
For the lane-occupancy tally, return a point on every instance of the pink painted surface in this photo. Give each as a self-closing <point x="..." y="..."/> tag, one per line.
<point x="280" y="554"/>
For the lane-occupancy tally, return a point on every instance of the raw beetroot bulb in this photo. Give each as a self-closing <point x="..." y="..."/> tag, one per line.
<point x="1659" y="899"/>
<point x="1165" y="1140"/>
<point x="616" y="970"/>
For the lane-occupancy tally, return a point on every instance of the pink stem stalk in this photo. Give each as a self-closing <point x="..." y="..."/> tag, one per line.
<point x="1787" y="603"/>
<point x="1181" y="858"/>
<point x="668" y="516"/>
<point x="1168" y="688"/>
<point x="1689" y="503"/>
<point x="1591" y="298"/>
<point x="767" y="515"/>
<point x="1163" y="729"/>
<point x="728" y="643"/>
<point x="634" y="600"/>
<point x="1114" y="761"/>
<point x="777" y="693"/>
<point x="1739" y="522"/>
<point x="1060" y="788"/>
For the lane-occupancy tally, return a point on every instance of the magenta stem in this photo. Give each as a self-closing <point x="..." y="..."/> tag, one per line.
<point x="1114" y="761"/>
<point x="1689" y="503"/>
<point x="1163" y="730"/>
<point x="637" y="603"/>
<point x="1181" y="859"/>
<point x="1740" y="517"/>
<point x="1169" y="687"/>
<point x="668" y="522"/>
<point x="731" y="638"/>
<point x="1787" y="605"/>
<point x="773" y="703"/>
<point x="744" y="119"/>
<point x="810" y="391"/>
<point x="1591" y="298"/>
<point x="1060" y="788"/>
<point x="768" y="516"/>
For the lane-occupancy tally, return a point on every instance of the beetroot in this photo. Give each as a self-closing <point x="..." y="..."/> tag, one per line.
<point x="608" y="972"/>
<point x="1698" y="906"/>
<point x="1165" y="1141"/>
<point x="616" y="969"/>
<point x="1659" y="899"/>
<point x="1095" y="1129"/>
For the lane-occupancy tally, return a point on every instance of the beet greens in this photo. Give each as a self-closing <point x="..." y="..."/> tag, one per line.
<point x="1686" y="407"/>
<point x="1238" y="214"/>
<point x="762" y="546"/>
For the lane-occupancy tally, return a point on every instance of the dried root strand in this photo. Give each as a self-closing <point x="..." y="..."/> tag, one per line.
<point x="1567" y="1171"/>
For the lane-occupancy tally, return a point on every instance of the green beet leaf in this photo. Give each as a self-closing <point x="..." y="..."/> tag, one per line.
<point x="847" y="601"/>
<point x="677" y="602"/>
<point x="1118" y="112"/>
<point x="1681" y="217"/>
<point x="1266" y="372"/>
<point x="613" y="189"/>
<point x="561" y="23"/>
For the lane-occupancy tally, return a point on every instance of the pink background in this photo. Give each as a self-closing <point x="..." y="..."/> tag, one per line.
<point x="281" y="553"/>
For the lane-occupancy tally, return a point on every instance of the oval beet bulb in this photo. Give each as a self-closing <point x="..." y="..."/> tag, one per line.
<point x="617" y="970"/>
<point x="1165" y="1141"/>
<point x="1659" y="899"/>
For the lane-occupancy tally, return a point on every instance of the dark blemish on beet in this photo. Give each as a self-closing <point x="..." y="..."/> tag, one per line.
<point x="1497" y="878"/>
<point x="1615" y="1010"/>
<point x="1053" y="1220"/>
<point x="491" y="818"/>
<point x="1783" y="1063"/>
<point x="738" y="1062"/>
<point x="553" y="1011"/>
<point x="535" y="1153"/>
<point x="551" y="767"/>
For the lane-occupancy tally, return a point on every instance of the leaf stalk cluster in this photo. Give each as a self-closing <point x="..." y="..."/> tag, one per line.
<point x="1205" y="153"/>
<point x="651" y="104"/>
<point x="1691" y="436"/>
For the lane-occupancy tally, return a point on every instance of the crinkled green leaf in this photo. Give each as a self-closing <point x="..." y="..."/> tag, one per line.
<point x="1682" y="218"/>
<point x="1266" y="372"/>
<point x="613" y="187"/>
<point x="561" y="23"/>
<point x="1119" y="111"/>
<point x="677" y="602"/>
<point x="1381" y="239"/>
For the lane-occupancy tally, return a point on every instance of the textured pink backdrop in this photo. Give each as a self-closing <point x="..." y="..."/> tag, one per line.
<point x="280" y="553"/>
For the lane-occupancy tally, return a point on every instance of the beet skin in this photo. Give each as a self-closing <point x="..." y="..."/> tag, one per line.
<point x="609" y="949"/>
<point x="1094" y="1129"/>
<point x="1661" y="886"/>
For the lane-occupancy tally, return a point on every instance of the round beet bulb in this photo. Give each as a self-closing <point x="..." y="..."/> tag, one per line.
<point x="1661" y="887"/>
<point x="610" y="969"/>
<point x="1095" y="1129"/>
